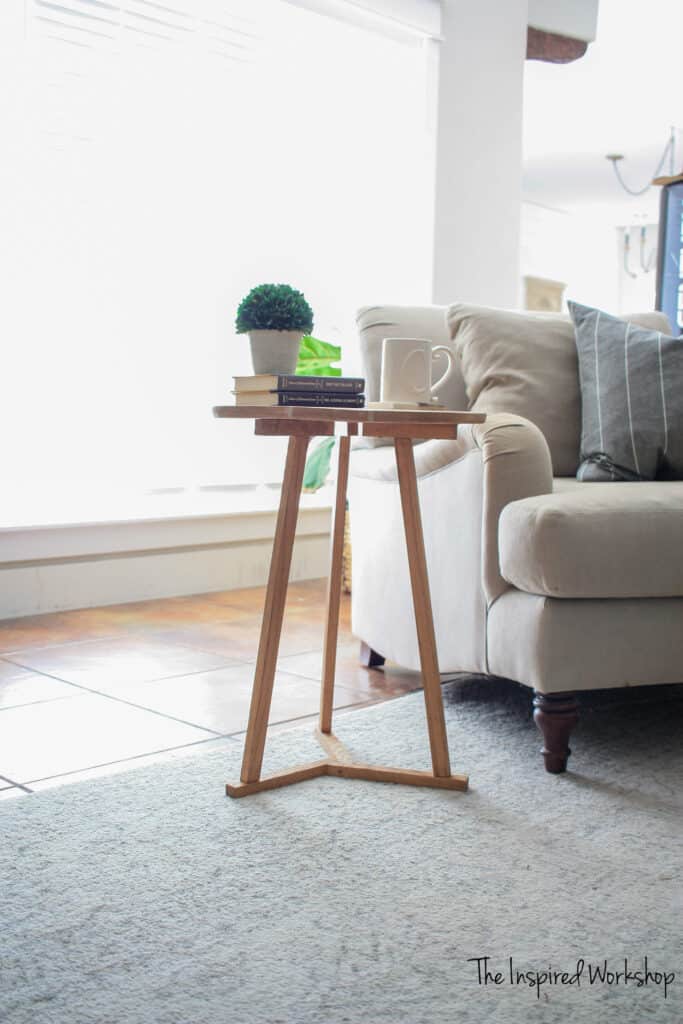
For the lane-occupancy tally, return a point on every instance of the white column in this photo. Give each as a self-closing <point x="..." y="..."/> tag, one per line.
<point x="479" y="152"/>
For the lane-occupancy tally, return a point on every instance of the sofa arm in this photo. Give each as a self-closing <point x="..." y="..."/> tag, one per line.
<point x="515" y="464"/>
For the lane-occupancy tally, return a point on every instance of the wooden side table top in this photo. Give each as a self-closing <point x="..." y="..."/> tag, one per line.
<point x="321" y="420"/>
<point x="340" y="414"/>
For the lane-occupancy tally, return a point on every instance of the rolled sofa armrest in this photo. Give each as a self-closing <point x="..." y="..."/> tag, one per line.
<point x="515" y="463"/>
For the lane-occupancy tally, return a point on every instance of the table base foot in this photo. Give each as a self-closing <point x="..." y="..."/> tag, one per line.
<point x="400" y="776"/>
<point x="342" y="766"/>
<point x="278" y="779"/>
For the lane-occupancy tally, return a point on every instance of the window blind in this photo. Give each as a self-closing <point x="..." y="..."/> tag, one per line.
<point x="421" y="17"/>
<point x="161" y="158"/>
<point x="215" y="27"/>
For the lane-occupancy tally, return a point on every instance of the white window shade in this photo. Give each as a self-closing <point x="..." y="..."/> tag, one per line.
<point x="160" y="159"/>
<point x="421" y="17"/>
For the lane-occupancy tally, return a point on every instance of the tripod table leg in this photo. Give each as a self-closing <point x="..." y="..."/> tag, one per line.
<point x="273" y="611"/>
<point x="417" y="562"/>
<point x="334" y="589"/>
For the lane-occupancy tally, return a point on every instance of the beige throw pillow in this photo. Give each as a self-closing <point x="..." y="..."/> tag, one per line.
<point x="526" y="363"/>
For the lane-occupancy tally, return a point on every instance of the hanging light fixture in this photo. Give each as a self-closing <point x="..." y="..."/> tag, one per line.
<point x="669" y="151"/>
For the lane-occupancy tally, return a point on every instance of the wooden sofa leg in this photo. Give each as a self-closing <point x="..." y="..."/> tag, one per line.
<point x="555" y="714"/>
<point x="370" y="658"/>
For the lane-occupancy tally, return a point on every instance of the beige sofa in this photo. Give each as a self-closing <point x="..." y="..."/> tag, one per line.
<point x="560" y="585"/>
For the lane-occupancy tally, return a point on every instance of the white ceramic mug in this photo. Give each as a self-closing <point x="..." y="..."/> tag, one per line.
<point x="407" y="370"/>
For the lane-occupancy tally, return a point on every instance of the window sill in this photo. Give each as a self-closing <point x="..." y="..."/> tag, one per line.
<point x="177" y="519"/>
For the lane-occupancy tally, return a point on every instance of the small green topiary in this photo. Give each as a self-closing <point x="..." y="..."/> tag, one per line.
<point x="274" y="307"/>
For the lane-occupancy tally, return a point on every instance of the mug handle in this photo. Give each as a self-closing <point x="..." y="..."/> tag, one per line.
<point x="449" y="371"/>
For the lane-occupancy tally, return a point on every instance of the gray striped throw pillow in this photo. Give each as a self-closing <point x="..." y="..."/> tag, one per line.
<point x="632" y="399"/>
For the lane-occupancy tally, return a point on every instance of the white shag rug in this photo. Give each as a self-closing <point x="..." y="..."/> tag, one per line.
<point x="150" y="898"/>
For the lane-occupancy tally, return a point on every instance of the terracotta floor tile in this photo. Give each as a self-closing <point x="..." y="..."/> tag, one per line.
<point x="220" y="699"/>
<point x="141" y="616"/>
<point x="305" y="602"/>
<point x="249" y="600"/>
<point x="56" y="628"/>
<point x="132" y="763"/>
<point x="176" y="611"/>
<point x="240" y="641"/>
<point x="252" y="598"/>
<point x="35" y="631"/>
<point x="113" y="662"/>
<point x="189" y="658"/>
<point x="46" y="739"/>
<point x="389" y="681"/>
<point x="307" y="589"/>
<point x="315" y="618"/>
<point x="19" y="685"/>
<point x="308" y="720"/>
<point x="278" y="727"/>
<point x="109" y="621"/>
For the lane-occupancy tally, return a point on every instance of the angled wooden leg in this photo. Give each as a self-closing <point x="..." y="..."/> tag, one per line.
<point x="273" y="612"/>
<point x="417" y="562"/>
<point x="339" y="761"/>
<point x="334" y="589"/>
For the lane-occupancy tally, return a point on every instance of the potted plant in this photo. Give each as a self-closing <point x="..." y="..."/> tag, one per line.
<point x="275" y="317"/>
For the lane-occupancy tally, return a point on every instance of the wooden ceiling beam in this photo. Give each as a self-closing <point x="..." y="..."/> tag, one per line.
<point x="553" y="48"/>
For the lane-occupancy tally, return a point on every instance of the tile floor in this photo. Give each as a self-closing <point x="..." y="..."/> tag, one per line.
<point x="90" y="692"/>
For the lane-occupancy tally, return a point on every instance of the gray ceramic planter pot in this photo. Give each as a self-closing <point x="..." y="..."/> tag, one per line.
<point x="275" y="351"/>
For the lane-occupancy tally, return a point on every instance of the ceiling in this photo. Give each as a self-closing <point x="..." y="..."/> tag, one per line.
<point x="622" y="97"/>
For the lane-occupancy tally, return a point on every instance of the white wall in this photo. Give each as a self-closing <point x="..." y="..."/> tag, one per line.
<point x="639" y="292"/>
<point x="584" y="249"/>
<point x="576" y="247"/>
<point x="544" y="238"/>
<point x="479" y="152"/>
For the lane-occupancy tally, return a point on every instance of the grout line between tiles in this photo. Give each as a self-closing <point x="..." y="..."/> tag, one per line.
<point x="174" y="718"/>
<point x="121" y="760"/>
<point x="235" y="737"/>
<point x="130" y="703"/>
<point x="136" y="682"/>
<point x="337" y="713"/>
<point x="42" y="700"/>
<point x="205" y="728"/>
<point x="51" y="675"/>
<point x="252" y="660"/>
<point x="6" y="655"/>
<point x="143" y="633"/>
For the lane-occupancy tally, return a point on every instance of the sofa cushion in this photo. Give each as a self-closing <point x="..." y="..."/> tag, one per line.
<point x="526" y="363"/>
<point x="603" y="540"/>
<point x="632" y="403"/>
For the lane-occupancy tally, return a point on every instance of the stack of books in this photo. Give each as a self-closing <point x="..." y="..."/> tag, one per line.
<point x="290" y="389"/>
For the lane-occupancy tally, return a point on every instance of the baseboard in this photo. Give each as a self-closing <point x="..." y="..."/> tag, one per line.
<point x="202" y="560"/>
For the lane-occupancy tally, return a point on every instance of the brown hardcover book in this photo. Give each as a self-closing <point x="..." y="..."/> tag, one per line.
<point x="303" y="398"/>
<point x="291" y="382"/>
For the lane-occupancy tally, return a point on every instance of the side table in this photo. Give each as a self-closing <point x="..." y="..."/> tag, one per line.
<point x="300" y="424"/>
